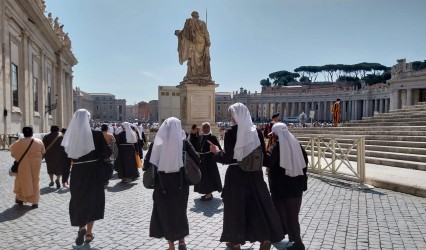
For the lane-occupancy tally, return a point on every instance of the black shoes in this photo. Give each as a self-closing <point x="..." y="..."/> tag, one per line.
<point x="58" y="184"/>
<point x="20" y="203"/>
<point x="34" y="206"/>
<point x="80" y="237"/>
<point x="51" y="184"/>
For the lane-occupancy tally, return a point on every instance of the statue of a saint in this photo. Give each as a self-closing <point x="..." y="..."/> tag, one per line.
<point x="56" y="25"/>
<point x="194" y="46"/>
<point x="50" y="19"/>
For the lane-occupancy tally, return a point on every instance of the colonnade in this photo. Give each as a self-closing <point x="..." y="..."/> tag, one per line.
<point x="262" y="110"/>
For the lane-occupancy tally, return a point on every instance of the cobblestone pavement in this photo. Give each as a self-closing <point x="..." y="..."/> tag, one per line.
<point x="334" y="215"/>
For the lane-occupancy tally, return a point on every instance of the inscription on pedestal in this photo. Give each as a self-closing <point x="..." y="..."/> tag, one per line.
<point x="201" y="107"/>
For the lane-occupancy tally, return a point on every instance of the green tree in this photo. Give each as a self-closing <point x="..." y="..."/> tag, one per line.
<point x="283" y="77"/>
<point x="265" y="82"/>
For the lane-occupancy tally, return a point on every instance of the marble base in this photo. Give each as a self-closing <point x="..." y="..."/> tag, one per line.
<point x="197" y="104"/>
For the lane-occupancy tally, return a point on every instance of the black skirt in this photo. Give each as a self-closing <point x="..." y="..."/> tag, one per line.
<point x="210" y="178"/>
<point x="169" y="214"/>
<point x="249" y="214"/>
<point x="126" y="161"/>
<point x="87" y="193"/>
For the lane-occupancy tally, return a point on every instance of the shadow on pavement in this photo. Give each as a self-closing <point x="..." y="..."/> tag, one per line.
<point x="47" y="190"/>
<point x="345" y="185"/>
<point x="120" y="187"/>
<point x="281" y="245"/>
<point x="63" y="191"/>
<point x="208" y="208"/>
<point x="14" y="213"/>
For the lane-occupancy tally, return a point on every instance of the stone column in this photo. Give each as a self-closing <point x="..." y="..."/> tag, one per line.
<point x="293" y="109"/>
<point x="381" y="106"/>
<point x="387" y="104"/>
<point x="409" y="100"/>
<point x="403" y="93"/>
<point x="268" y="110"/>
<point x="394" y="99"/>
<point x="356" y="115"/>
<point x="261" y="111"/>
<point x="324" y="115"/>
<point x="281" y="111"/>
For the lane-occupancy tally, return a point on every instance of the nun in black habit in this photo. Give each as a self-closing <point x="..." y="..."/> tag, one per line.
<point x="169" y="214"/>
<point x="87" y="149"/>
<point x="126" y="160"/>
<point x="210" y="177"/>
<point x="248" y="214"/>
<point x="287" y="161"/>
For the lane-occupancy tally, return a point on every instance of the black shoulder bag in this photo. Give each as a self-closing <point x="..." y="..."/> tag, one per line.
<point x="14" y="168"/>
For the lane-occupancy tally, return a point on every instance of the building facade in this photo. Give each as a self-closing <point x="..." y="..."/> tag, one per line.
<point x="36" y="64"/>
<point x="407" y="85"/>
<point x="405" y="88"/>
<point x="168" y="102"/>
<point x="223" y="101"/>
<point x="103" y="107"/>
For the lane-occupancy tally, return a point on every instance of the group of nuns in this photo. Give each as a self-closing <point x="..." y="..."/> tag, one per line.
<point x="251" y="211"/>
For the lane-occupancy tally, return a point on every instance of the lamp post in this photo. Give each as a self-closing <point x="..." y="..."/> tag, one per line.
<point x="52" y="106"/>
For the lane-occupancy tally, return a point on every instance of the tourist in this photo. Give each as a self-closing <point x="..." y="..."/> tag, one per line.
<point x="210" y="177"/>
<point x="287" y="180"/>
<point x="169" y="214"/>
<point x="248" y="213"/>
<point x="27" y="180"/>
<point x="52" y="142"/>
<point x="87" y="149"/>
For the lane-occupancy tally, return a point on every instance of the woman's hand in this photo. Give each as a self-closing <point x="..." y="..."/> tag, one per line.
<point x="213" y="148"/>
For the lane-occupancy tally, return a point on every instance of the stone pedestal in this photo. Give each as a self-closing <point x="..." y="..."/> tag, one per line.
<point x="197" y="105"/>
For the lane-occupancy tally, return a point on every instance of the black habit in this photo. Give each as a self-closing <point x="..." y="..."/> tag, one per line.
<point x="210" y="177"/>
<point x="169" y="214"/>
<point x="87" y="187"/>
<point x="249" y="214"/>
<point x="126" y="159"/>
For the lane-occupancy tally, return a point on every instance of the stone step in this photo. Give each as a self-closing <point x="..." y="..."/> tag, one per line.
<point x="406" y="144"/>
<point x="391" y="119"/>
<point x="402" y="116"/>
<point x="356" y="132"/>
<point x="384" y="124"/>
<point x="384" y="161"/>
<point x="392" y="138"/>
<point x="405" y="149"/>
<point x="341" y="147"/>
<point x="409" y="108"/>
<point x="364" y="128"/>
<point x="421" y="113"/>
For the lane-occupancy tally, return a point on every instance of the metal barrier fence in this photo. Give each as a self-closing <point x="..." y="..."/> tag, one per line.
<point x="337" y="156"/>
<point x="340" y="156"/>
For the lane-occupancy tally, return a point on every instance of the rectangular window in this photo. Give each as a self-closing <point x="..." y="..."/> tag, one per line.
<point x="35" y="91"/>
<point x="15" y="85"/>
<point x="162" y="93"/>
<point x="167" y="93"/>
<point x="173" y="94"/>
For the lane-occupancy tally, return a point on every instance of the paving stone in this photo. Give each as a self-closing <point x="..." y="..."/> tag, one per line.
<point x="334" y="215"/>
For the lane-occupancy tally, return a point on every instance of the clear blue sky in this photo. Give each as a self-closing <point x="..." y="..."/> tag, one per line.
<point x="127" y="47"/>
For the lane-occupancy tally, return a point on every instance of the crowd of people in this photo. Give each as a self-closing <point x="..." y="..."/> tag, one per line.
<point x="252" y="212"/>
